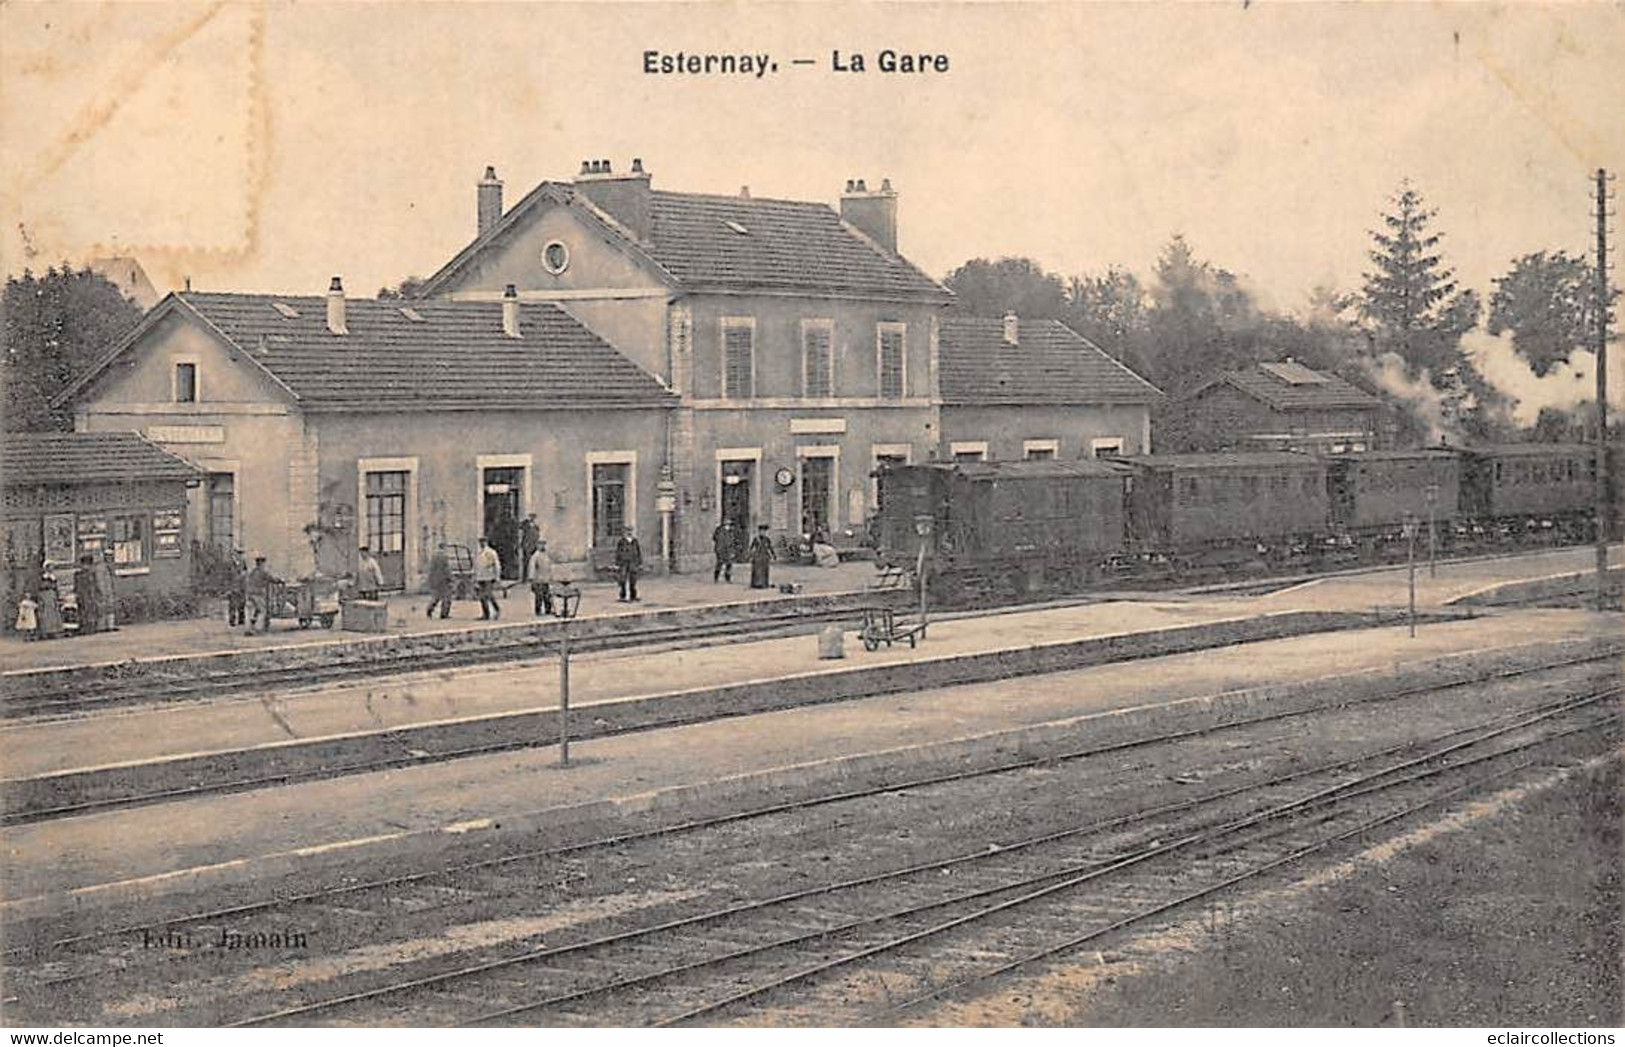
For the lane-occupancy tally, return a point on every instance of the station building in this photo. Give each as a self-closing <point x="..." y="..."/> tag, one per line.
<point x="801" y="346"/>
<point x="678" y="358"/>
<point x="392" y="424"/>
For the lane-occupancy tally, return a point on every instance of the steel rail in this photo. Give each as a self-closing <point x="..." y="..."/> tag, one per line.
<point x="1252" y="873"/>
<point x="201" y="916"/>
<point x="423" y="758"/>
<point x="541" y="954"/>
<point x="1206" y="836"/>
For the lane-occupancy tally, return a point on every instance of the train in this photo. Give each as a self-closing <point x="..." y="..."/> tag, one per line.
<point x="996" y="532"/>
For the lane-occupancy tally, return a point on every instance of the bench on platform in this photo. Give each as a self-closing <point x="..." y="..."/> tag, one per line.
<point x="892" y="576"/>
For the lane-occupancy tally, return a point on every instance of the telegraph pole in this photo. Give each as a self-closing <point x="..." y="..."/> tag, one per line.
<point x="1602" y="387"/>
<point x="1410" y="526"/>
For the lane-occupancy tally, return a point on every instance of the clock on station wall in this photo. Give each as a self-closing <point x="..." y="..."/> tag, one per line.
<point x="784" y="477"/>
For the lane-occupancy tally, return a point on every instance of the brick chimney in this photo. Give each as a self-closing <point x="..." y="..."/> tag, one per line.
<point x="335" y="307"/>
<point x="510" y="312"/>
<point x="489" y="194"/>
<point x="1012" y="329"/>
<point x="873" y="213"/>
<point x="624" y="197"/>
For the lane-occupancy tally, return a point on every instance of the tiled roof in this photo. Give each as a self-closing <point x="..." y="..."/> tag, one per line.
<point x="83" y="458"/>
<point x="1051" y="364"/>
<point x="1283" y="395"/>
<point x="1222" y="460"/>
<point x="454" y="354"/>
<point x="786" y="245"/>
<point x="695" y="242"/>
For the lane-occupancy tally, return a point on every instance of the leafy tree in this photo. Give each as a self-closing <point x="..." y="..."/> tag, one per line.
<point x="411" y="287"/>
<point x="1547" y="302"/>
<point x="1409" y="302"/>
<point x="55" y="325"/>
<point x="1555" y="426"/>
<point x="985" y="288"/>
<point x="1109" y="310"/>
<point x="1202" y="322"/>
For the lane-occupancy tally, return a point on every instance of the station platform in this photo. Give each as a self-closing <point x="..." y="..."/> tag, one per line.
<point x="344" y="826"/>
<point x="405" y="707"/>
<point x="211" y="635"/>
<point x="668" y="595"/>
<point x="1450" y="584"/>
<point x="444" y="710"/>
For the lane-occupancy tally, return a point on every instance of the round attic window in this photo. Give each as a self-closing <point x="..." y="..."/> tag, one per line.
<point x="555" y="257"/>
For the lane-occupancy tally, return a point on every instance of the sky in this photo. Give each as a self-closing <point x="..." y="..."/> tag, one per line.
<point x="266" y="148"/>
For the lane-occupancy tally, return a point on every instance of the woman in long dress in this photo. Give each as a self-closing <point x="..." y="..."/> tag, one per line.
<point x="105" y="591"/>
<point x="50" y="608"/>
<point x="87" y="596"/>
<point x="761" y="554"/>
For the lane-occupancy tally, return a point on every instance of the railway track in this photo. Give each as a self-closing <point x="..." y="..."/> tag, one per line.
<point x="795" y="947"/>
<point x="411" y="758"/>
<point x="776" y="946"/>
<point x="745" y="930"/>
<point x="155" y="691"/>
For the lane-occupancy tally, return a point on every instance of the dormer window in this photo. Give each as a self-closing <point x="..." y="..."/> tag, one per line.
<point x="185" y="384"/>
<point x="556" y="257"/>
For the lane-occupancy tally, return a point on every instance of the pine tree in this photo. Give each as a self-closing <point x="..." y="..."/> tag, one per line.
<point x="1409" y="304"/>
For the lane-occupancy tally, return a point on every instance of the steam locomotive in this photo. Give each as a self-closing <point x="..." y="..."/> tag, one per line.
<point x="1010" y="531"/>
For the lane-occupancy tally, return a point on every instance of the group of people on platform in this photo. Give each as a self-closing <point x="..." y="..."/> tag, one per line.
<point x="537" y="570"/>
<point x="251" y="589"/>
<point x="249" y="594"/>
<point x="95" y="597"/>
<point x="727" y="542"/>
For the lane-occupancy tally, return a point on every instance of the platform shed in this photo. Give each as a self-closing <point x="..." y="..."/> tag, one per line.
<point x="66" y="494"/>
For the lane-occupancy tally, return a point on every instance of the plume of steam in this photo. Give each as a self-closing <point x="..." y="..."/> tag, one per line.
<point x="1439" y="410"/>
<point x="1568" y="385"/>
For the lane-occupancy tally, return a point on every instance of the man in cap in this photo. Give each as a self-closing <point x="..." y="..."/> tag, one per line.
<point x="441" y="583"/>
<point x="236" y="591"/>
<point x="725" y="543"/>
<point x="487" y="572"/>
<point x="539" y="569"/>
<point x="369" y="576"/>
<point x="530" y="539"/>
<point x="628" y="562"/>
<point x="257" y="588"/>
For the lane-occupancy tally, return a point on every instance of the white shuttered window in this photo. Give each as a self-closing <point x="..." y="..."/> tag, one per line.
<point x="738" y="358"/>
<point x="889" y="339"/>
<point x="817" y="358"/>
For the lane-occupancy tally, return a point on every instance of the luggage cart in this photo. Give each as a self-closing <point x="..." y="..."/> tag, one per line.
<point x="309" y="600"/>
<point x="882" y="626"/>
